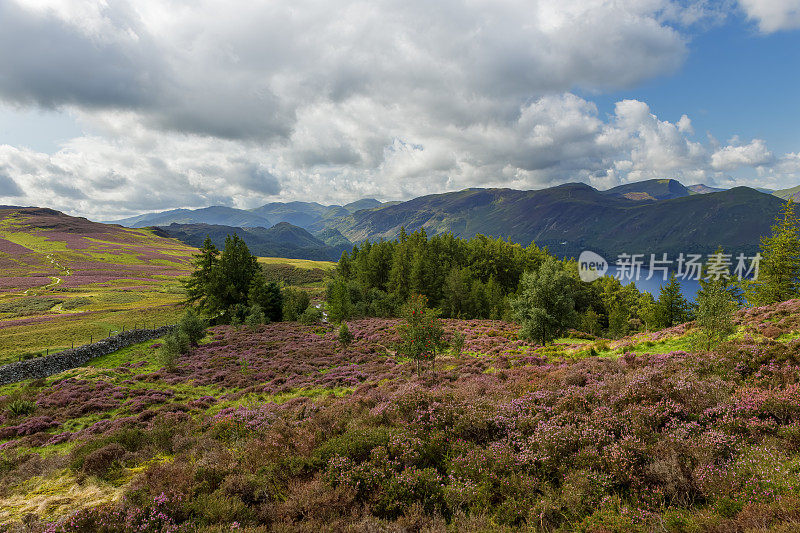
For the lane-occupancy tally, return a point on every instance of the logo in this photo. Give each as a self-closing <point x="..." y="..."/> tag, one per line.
<point x="591" y="266"/>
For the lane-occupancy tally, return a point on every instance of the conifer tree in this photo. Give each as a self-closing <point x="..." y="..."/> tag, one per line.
<point x="779" y="269"/>
<point x="672" y="308"/>
<point x="715" y="308"/>
<point x="199" y="282"/>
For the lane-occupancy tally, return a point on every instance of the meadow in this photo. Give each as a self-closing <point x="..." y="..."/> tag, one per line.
<point x="68" y="281"/>
<point x="280" y="428"/>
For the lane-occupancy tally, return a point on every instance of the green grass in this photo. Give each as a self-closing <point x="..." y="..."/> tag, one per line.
<point x="298" y="263"/>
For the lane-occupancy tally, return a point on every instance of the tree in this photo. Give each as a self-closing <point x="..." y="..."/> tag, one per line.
<point x="672" y="308"/>
<point x="199" y="282"/>
<point x="267" y="296"/>
<point x="618" y="321"/>
<point x="421" y="332"/>
<point x="779" y="269"/>
<point x="339" y="305"/>
<point x="345" y="336"/>
<point x="715" y="308"/>
<point x="590" y="322"/>
<point x="295" y="302"/>
<point x="545" y="307"/>
<point x="193" y="326"/>
<point x="226" y="285"/>
<point x="716" y="271"/>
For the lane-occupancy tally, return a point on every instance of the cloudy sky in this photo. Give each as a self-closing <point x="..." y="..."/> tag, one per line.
<point x="113" y="108"/>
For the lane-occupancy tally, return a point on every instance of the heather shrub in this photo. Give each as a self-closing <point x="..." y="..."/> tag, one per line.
<point x="220" y="508"/>
<point x="100" y="461"/>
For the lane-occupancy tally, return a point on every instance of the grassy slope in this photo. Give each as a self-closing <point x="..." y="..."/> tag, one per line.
<point x="283" y="364"/>
<point x="99" y="278"/>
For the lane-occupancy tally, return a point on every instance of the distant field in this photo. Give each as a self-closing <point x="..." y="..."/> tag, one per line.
<point x="67" y="280"/>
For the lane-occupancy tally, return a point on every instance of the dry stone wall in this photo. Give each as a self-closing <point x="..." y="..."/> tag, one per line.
<point x="42" y="367"/>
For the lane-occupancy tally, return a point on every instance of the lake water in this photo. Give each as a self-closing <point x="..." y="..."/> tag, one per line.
<point x="653" y="285"/>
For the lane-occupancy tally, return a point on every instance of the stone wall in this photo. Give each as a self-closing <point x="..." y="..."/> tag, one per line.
<point x="41" y="367"/>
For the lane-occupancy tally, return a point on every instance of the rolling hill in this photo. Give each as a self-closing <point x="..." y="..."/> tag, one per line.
<point x="281" y="240"/>
<point x="573" y="217"/>
<point x="653" y="216"/>
<point x="652" y="190"/>
<point x="216" y="214"/>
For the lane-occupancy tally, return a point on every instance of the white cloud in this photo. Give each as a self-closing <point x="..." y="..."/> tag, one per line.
<point x="194" y="103"/>
<point x="773" y="15"/>
<point x="753" y="154"/>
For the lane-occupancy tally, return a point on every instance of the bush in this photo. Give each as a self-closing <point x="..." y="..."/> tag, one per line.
<point x="255" y="317"/>
<point x="100" y="461"/>
<point x="457" y="342"/>
<point x="21" y="407"/>
<point x="312" y="315"/>
<point x="174" y="345"/>
<point x="193" y="326"/>
<point x="345" y="336"/>
<point x="295" y="302"/>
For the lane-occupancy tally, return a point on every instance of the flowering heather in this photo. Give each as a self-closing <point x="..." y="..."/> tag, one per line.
<point x="282" y="428"/>
<point x="23" y="282"/>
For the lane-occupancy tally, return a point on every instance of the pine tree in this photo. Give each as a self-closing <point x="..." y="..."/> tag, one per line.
<point x="779" y="270"/>
<point x="618" y="321"/>
<point x="545" y="307"/>
<point x="672" y="308"/>
<point x="715" y="309"/>
<point x="199" y="283"/>
<point x="713" y="273"/>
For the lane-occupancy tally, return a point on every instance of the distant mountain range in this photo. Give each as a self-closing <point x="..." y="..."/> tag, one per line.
<point x="653" y="216"/>
<point x="281" y="240"/>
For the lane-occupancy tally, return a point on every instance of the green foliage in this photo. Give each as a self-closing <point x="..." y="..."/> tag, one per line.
<point x="545" y="307"/>
<point x="715" y="308"/>
<point x="779" y="269"/>
<point x="464" y="278"/>
<point x="75" y="303"/>
<point x="255" y="317"/>
<point x="457" y="342"/>
<point x="226" y="285"/>
<point x="295" y="302"/>
<point x="21" y="407"/>
<point x="421" y="332"/>
<point x="618" y="321"/>
<point x="345" y="336"/>
<point x="310" y="316"/>
<point x="193" y="326"/>
<point x="175" y="344"/>
<point x="671" y="308"/>
<point x="590" y="322"/>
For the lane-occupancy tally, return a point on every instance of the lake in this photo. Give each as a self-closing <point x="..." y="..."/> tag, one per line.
<point x="689" y="287"/>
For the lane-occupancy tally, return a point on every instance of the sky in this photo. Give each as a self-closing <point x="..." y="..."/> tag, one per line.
<point x="110" y="109"/>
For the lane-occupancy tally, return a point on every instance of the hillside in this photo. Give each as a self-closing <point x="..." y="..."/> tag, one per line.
<point x="793" y="192"/>
<point x="281" y="240"/>
<point x="217" y="214"/>
<point x="573" y="217"/>
<point x="653" y="216"/>
<point x="279" y="428"/>
<point x="652" y="190"/>
<point x="66" y="279"/>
